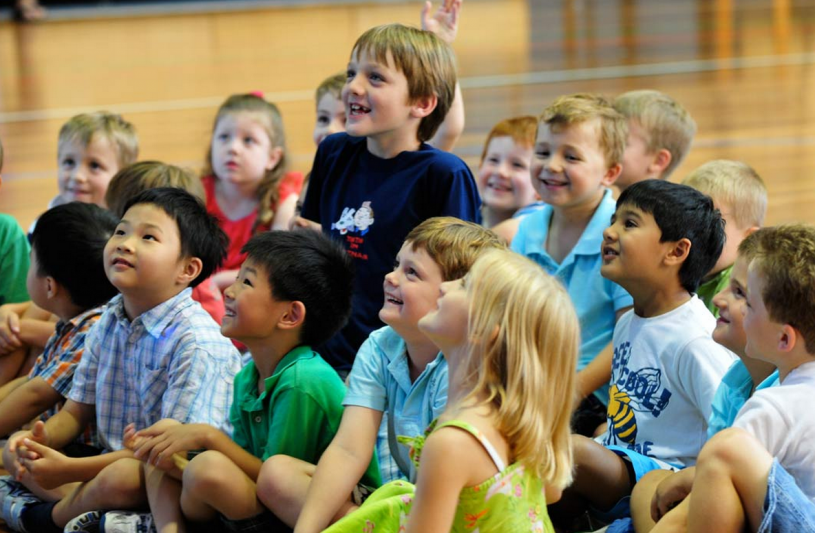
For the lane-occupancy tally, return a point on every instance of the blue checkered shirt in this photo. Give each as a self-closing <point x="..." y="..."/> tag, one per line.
<point x="170" y="362"/>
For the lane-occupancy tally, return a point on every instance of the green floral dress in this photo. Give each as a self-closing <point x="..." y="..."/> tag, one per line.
<point x="513" y="500"/>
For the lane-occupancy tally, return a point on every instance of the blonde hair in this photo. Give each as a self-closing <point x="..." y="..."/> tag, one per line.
<point x="453" y="244"/>
<point x="144" y="175"/>
<point x="268" y="116"/>
<point x="526" y="369"/>
<point x="331" y="85"/>
<point x="427" y="62"/>
<point x="666" y="123"/>
<point x="735" y="184"/>
<point x="579" y="108"/>
<point x="112" y="127"/>
<point x="785" y="258"/>
<point x="521" y="129"/>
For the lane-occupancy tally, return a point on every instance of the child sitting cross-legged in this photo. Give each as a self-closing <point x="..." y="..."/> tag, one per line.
<point x="663" y="238"/>
<point x="154" y="354"/>
<point x="501" y="449"/>
<point x="397" y="387"/>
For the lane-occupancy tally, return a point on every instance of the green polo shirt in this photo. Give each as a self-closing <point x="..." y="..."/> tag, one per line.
<point x="298" y="412"/>
<point x="710" y="288"/>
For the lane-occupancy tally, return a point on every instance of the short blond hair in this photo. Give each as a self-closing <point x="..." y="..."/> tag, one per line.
<point x="666" y="123"/>
<point x="582" y="107"/>
<point x="453" y="244"/>
<point x="427" y="62"/>
<point x="331" y="85"/>
<point x="735" y="184"/>
<point x="521" y="129"/>
<point x="86" y="127"/>
<point x="144" y="175"/>
<point x="527" y="370"/>
<point x="785" y="258"/>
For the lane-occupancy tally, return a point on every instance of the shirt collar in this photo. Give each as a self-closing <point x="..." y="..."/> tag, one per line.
<point x="294" y="356"/>
<point x="76" y="322"/>
<point x="158" y="318"/>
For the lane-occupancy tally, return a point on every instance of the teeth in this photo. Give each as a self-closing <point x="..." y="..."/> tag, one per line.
<point x="394" y="300"/>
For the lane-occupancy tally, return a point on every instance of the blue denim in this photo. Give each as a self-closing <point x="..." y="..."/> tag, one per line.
<point x="786" y="508"/>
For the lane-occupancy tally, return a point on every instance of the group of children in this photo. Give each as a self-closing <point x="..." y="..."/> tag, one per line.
<point x="641" y="362"/>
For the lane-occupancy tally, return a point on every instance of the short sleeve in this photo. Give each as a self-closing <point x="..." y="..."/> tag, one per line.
<point x="702" y="364"/>
<point x="58" y="365"/>
<point x="83" y="386"/>
<point x="462" y="198"/>
<point x="311" y="204"/>
<point x="14" y="261"/>
<point x="291" y="183"/>
<point x="763" y="420"/>
<point x="366" y="382"/>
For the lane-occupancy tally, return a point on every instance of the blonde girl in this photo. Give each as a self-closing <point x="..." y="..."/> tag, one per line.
<point x="245" y="180"/>
<point x="501" y="450"/>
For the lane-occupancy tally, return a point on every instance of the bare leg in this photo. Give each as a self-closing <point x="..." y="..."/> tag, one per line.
<point x="731" y="484"/>
<point x="214" y="484"/>
<point x="641" y="497"/>
<point x="164" y="496"/>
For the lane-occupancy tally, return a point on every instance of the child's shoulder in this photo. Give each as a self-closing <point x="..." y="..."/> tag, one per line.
<point x="306" y="371"/>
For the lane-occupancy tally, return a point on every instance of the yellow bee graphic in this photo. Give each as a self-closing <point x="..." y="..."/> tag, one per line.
<point x="623" y="422"/>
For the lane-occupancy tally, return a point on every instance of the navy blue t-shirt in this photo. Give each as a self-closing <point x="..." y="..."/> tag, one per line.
<point x="370" y="204"/>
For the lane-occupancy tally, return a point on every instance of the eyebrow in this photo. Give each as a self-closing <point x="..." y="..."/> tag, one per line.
<point x="250" y="270"/>
<point x="628" y="212"/>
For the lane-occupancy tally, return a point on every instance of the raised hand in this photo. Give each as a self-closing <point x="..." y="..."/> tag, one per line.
<point x="444" y="22"/>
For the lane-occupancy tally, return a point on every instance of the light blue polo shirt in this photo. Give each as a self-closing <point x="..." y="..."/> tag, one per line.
<point x="380" y="376"/>
<point x="595" y="298"/>
<point x="732" y="394"/>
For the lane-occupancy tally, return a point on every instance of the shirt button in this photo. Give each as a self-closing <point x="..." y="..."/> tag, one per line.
<point x="258" y="419"/>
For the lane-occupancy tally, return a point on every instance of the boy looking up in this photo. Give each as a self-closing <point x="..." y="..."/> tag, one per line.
<point x="660" y="133"/>
<point x="738" y="192"/>
<point x="578" y="148"/>
<point x="370" y="186"/>
<point x="155" y="353"/>
<point x="663" y="238"/>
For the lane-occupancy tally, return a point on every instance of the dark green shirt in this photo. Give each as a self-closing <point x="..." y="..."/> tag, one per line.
<point x="298" y="412"/>
<point x="710" y="288"/>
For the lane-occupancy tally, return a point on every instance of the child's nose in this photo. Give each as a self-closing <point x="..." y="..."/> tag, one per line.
<point x="554" y="164"/>
<point x="390" y="278"/>
<point x="608" y="234"/>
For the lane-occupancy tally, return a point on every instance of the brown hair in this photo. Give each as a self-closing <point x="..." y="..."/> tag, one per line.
<point x="737" y="185"/>
<point x="331" y="85"/>
<point x="144" y="175"/>
<point x="521" y="129"/>
<point x="111" y="126"/>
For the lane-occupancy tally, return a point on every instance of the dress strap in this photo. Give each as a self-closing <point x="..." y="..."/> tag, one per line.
<point x="475" y="432"/>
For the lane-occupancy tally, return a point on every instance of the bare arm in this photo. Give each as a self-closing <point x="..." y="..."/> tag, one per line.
<point x="598" y="372"/>
<point x="285" y="213"/>
<point x="451" y="129"/>
<point x="340" y="468"/>
<point x="29" y="399"/>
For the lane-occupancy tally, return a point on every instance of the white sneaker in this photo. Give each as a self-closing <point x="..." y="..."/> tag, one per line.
<point x="127" y="522"/>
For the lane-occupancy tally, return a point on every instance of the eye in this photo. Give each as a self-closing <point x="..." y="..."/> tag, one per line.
<point x="410" y="271"/>
<point x="520" y="165"/>
<point x="119" y="232"/>
<point x="95" y="165"/>
<point x="395" y="264"/>
<point x="247" y="282"/>
<point x="572" y="157"/>
<point x="68" y="162"/>
<point x="493" y="159"/>
<point x="542" y="154"/>
<point x="349" y="74"/>
<point x="322" y="120"/>
<point x="629" y="223"/>
<point x="738" y="292"/>
<point x="375" y="76"/>
<point x="223" y="137"/>
<point x="149" y="237"/>
<point x="249" y="140"/>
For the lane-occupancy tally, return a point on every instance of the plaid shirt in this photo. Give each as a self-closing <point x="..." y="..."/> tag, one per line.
<point x="170" y="362"/>
<point x="57" y="363"/>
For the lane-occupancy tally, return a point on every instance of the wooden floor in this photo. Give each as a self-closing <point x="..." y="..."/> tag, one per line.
<point x="743" y="69"/>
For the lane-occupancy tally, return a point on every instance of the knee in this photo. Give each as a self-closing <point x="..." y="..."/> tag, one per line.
<point x="203" y="475"/>
<point x="272" y="481"/>
<point x="120" y="485"/>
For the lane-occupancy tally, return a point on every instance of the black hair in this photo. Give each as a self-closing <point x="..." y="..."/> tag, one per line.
<point x="69" y="243"/>
<point x="200" y="234"/>
<point x="682" y="212"/>
<point x="309" y="267"/>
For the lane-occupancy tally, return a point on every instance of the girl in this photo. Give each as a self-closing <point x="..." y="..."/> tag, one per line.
<point x="511" y="337"/>
<point x="245" y="180"/>
<point x="503" y="175"/>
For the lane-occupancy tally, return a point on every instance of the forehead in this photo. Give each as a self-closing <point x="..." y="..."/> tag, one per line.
<point x="99" y="145"/>
<point x="331" y="103"/>
<point x="242" y="119"/>
<point x="152" y="215"/>
<point x="585" y="133"/>
<point x="505" y="143"/>
<point x="372" y="55"/>
<point x="629" y="209"/>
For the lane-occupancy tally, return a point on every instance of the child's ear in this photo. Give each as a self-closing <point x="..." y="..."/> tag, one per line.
<point x="52" y="287"/>
<point x="423" y="106"/>
<point x="660" y="162"/>
<point x="294" y="316"/>
<point x="788" y="339"/>
<point x="192" y="267"/>
<point x="275" y="155"/>
<point x="678" y="252"/>
<point x="612" y="173"/>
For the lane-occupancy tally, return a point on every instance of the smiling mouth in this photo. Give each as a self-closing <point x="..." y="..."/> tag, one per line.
<point x="120" y="261"/>
<point x="553" y="183"/>
<point x="356" y="109"/>
<point x="393" y="300"/>
<point x="609" y="253"/>
<point x="229" y="312"/>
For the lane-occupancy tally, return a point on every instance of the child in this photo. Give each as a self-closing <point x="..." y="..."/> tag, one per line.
<point x="579" y="145"/>
<point x="246" y="183"/>
<point x="503" y="175"/>
<point x="150" y="355"/>
<point x="330" y="109"/>
<point x="744" y="376"/>
<point x="74" y="291"/>
<point x="145" y="175"/>
<point x="293" y="290"/>
<point x="663" y="238"/>
<point x="660" y="133"/>
<point x="500" y="451"/>
<point x="759" y="476"/>
<point x="370" y="186"/>
<point x="738" y="192"/>
<point x="13" y="263"/>
<point x="397" y="387"/>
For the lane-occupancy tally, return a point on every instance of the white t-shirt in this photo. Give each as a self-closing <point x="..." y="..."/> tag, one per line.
<point x="664" y="374"/>
<point x="782" y="418"/>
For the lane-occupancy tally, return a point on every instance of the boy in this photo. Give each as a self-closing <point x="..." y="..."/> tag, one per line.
<point x="74" y="291"/>
<point x="152" y="353"/>
<point x="397" y="387"/>
<point x="660" y="133"/>
<point x="13" y="261"/>
<point x="330" y="109"/>
<point x="293" y="290"/>
<point x="370" y="186"/>
<point x="759" y="476"/>
<point x="578" y="148"/>
<point x="744" y="376"/>
<point x="663" y="238"/>
<point x="738" y="192"/>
